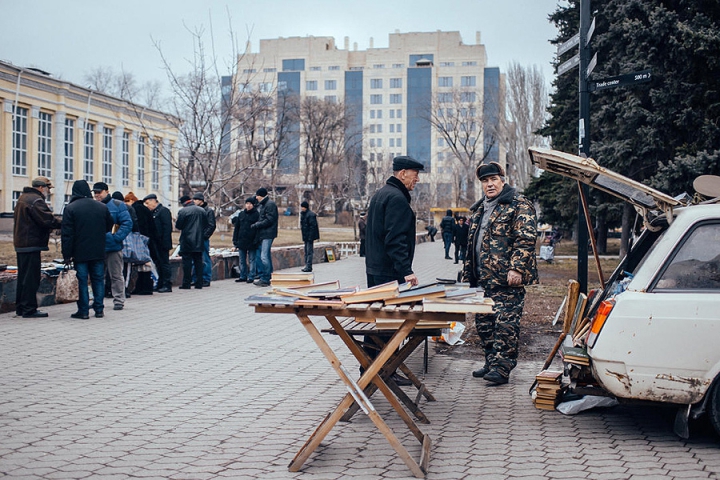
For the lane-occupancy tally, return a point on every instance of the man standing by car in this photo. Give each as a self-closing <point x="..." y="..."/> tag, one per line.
<point x="390" y="234"/>
<point x="162" y="241"/>
<point x="31" y="233"/>
<point x="84" y="231"/>
<point x="114" y="241"/>
<point x="501" y="260"/>
<point x="199" y="200"/>
<point x="310" y="233"/>
<point x="267" y="230"/>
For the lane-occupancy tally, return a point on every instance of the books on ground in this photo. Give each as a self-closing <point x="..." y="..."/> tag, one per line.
<point x="548" y="389"/>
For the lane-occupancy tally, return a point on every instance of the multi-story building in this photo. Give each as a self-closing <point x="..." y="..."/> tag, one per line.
<point x="427" y="95"/>
<point x="53" y="128"/>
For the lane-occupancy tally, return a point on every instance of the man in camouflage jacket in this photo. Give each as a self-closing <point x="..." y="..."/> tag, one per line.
<point x="501" y="259"/>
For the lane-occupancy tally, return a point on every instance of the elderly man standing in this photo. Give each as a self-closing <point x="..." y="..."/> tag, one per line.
<point x="310" y="233"/>
<point x="162" y="241"/>
<point x="114" y="241"/>
<point x="390" y="233"/>
<point x="192" y="222"/>
<point x="267" y="230"/>
<point x="31" y="233"/>
<point x="501" y="260"/>
<point x="199" y="200"/>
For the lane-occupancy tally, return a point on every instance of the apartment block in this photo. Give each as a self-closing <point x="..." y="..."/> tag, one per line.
<point x="405" y="99"/>
<point x="53" y="128"/>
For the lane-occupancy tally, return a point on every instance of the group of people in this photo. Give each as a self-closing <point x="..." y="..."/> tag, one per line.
<point x="499" y="256"/>
<point x="455" y="232"/>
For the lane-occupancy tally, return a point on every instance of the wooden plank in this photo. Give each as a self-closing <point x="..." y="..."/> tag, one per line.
<point x="376" y="306"/>
<point x="404" y="308"/>
<point x="425" y="455"/>
<point x="358" y="306"/>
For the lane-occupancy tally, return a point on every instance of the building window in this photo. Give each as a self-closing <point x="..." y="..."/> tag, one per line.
<point x="467" y="81"/>
<point x="15" y="198"/>
<point x="379" y="128"/>
<point x="469" y="64"/>
<point x="141" y="163"/>
<point x="249" y="70"/>
<point x="447" y="64"/>
<point x="293" y="65"/>
<point x="372" y="128"/>
<point x="398" y="142"/>
<point x="265" y="87"/>
<point x="372" y="157"/>
<point x="19" y="141"/>
<point x="379" y="113"/>
<point x="372" y="113"/>
<point x="69" y="149"/>
<point x="331" y="98"/>
<point x="445" y="82"/>
<point x="468" y="97"/>
<point x="376" y="83"/>
<point x="311" y="85"/>
<point x="89" y="152"/>
<point x="44" y="144"/>
<point x="379" y="142"/>
<point x="444" y="97"/>
<point x="392" y="113"/>
<point x="440" y="156"/>
<point x="398" y="113"/>
<point x="107" y="155"/>
<point x="315" y="69"/>
<point x="392" y="128"/>
<point x="379" y="65"/>
<point x="398" y="65"/>
<point x="375" y="99"/>
<point x="379" y="157"/>
<point x="398" y="127"/>
<point x="396" y="98"/>
<point x="396" y="83"/>
<point x="269" y="70"/>
<point x="330" y="84"/>
<point x="392" y="142"/>
<point x="155" y="165"/>
<point x="372" y="142"/>
<point x="125" y="152"/>
<point x="334" y="67"/>
<point x="441" y="142"/>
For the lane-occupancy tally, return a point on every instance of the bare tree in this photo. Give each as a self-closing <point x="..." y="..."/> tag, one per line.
<point x="527" y="100"/>
<point x="457" y="115"/>
<point x="118" y="84"/>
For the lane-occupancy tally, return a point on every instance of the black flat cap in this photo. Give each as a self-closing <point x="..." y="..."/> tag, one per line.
<point x="489" y="169"/>
<point x="100" y="186"/>
<point x="406" y="163"/>
<point x="199" y="196"/>
<point x="151" y="196"/>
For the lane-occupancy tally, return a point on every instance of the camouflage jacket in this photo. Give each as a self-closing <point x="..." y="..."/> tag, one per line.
<point x="509" y="242"/>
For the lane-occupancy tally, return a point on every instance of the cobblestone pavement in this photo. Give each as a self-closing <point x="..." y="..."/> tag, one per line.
<point x="194" y="385"/>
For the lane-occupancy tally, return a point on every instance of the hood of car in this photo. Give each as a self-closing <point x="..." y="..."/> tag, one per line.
<point x="587" y="171"/>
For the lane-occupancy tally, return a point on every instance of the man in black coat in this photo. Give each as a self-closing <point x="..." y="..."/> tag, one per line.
<point x="245" y="240"/>
<point x="390" y="233"/>
<point x="446" y="226"/>
<point x="85" y="223"/>
<point x="267" y="230"/>
<point x="192" y="222"/>
<point x="199" y="200"/>
<point x="31" y="233"/>
<point x="162" y="241"/>
<point x="310" y="233"/>
<point x="460" y="238"/>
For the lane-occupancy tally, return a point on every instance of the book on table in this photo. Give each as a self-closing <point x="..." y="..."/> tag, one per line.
<point x="373" y="294"/>
<point x="394" y="324"/>
<point x="265" y="299"/>
<point x="306" y="289"/>
<point x="417" y="295"/>
<point x="473" y="304"/>
<point x="291" y="279"/>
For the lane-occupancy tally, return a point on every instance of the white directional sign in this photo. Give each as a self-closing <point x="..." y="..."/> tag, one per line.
<point x="570" y="64"/>
<point x="591" y="66"/>
<point x="565" y="46"/>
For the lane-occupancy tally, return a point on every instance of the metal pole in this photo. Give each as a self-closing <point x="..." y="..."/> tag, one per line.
<point x="583" y="141"/>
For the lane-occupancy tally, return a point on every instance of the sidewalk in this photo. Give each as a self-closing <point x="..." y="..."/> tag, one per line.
<point x="194" y="385"/>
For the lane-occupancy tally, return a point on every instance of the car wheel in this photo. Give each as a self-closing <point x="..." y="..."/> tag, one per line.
<point x="714" y="407"/>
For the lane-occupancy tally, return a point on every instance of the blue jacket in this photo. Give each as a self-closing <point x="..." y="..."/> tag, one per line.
<point x="121" y="217"/>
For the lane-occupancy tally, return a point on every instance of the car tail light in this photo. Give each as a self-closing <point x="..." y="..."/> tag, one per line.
<point x="603" y="311"/>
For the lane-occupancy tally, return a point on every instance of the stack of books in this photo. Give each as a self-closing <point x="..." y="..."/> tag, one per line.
<point x="291" y="279"/>
<point x="575" y="355"/>
<point x="547" y="391"/>
<point x="378" y="293"/>
<point x="468" y="304"/>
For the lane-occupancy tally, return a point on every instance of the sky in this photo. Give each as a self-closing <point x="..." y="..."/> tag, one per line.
<point x="70" y="38"/>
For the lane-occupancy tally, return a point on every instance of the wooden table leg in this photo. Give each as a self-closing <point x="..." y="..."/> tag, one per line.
<point x="358" y="395"/>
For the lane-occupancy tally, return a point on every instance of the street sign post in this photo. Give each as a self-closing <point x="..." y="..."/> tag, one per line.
<point x="625" y="80"/>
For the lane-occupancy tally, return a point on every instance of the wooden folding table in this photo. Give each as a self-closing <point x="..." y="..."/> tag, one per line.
<point x="410" y="316"/>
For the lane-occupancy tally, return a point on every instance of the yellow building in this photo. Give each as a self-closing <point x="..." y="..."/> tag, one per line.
<point x="53" y="128"/>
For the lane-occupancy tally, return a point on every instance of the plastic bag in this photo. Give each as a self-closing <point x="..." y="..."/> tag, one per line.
<point x="66" y="287"/>
<point x="135" y="248"/>
<point x="586" y="403"/>
<point x="452" y="335"/>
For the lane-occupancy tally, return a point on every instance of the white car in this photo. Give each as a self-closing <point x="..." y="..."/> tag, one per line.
<point x="655" y="331"/>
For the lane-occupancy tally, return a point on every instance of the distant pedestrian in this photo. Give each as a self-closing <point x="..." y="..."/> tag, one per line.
<point x="192" y="222"/>
<point x="310" y="233"/>
<point x="84" y="232"/>
<point x="199" y="200"/>
<point x="31" y="234"/>
<point x="446" y="226"/>
<point x="267" y="230"/>
<point x="460" y="239"/>
<point x="162" y="241"/>
<point x="362" y="226"/>
<point x="245" y="240"/>
<point x="144" y="282"/>
<point x="114" y="242"/>
<point x="432" y="231"/>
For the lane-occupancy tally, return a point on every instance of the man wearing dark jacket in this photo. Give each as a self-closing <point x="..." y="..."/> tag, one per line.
<point x="244" y="239"/>
<point x="199" y="200"/>
<point x="310" y="233"/>
<point x="114" y="241"/>
<point x="460" y="235"/>
<point x="446" y="226"/>
<point x="84" y="228"/>
<point x="267" y="230"/>
<point x="31" y="233"/>
<point x="390" y="233"/>
<point x="192" y="223"/>
<point x="162" y="241"/>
